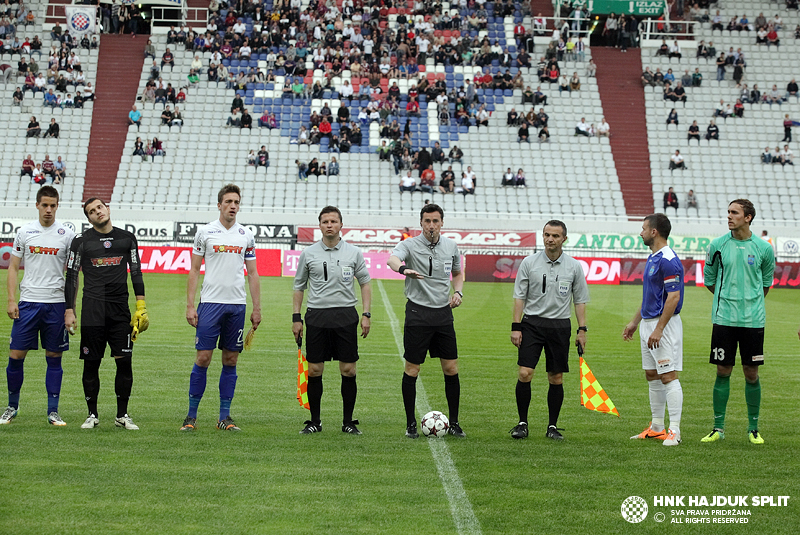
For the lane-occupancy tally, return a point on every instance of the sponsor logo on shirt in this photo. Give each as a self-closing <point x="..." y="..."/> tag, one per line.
<point x="237" y="249"/>
<point x="43" y="250"/>
<point x="110" y="261"/>
<point x="33" y="232"/>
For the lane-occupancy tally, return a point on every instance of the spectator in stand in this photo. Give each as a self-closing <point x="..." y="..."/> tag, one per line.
<point x="33" y="128"/>
<point x="712" y="132"/>
<point x="671" y="200"/>
<point x="28" y="165"/>
<point x="672" y="118"/>
<point x="166" y="116"/>
<point x="247" y="119"/>
<point x="791" y="90"/>
<point x="467" y="183"/>
<point x="302" y="136"/>
<point x="694" y="132"/>
<point x="313" y="167"/>
<point x="721" y="63"/>
<point x="519" y="179"/>
<point x="591" y="69"/>
<point x="773" y="97"/>
<point x="49" y="167"/>
<point x="38" y="177"/>
<point x="738" y="108"/>
<point x="676" y="161"/>
<point x="427" y="180"/>
<point x="523" y="133"/>
<point x="437" y="155"/>
<point x="563" y="84"/>
<point x="456" y="154"/>
<point x="675" y="50"/>
<point x="50" y="99"/>
<point x="52" y="129"/>
<point x="786" y="156"/>
<point x="686" y="79"/>
<point x="149" y="50"/>
<point x="647" y="78"/>
<point x="767" y="156"/>
<point x="424" y="160"/>
<point x="772" y="38"/>
<point x="603" y="129"/>
<point x="582" y="128"/>
<point x="234" y="119"/>
<point x="60" y="171"/>
<point x="697" y="78"/>
<point x="135" y="117"/>
<point x="574" y="82"/>
<point x="407" y="183"/>
<point x="691" y="201"/>
<point x="544" y="135"/>
<point x="447" y="183"/>
<point x="333" y="167"/>
<point x="787" y="128"/>
<point x="302" y="169"/>
<point x="755" y="94"/>
<point x="509" y="178"/>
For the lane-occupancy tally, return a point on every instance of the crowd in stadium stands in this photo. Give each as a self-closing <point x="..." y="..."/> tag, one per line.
<point x="777" y="155"/>
<point x="39" y="172"/>
<point x="149" y="149"/>
<point x="671" y="200"/>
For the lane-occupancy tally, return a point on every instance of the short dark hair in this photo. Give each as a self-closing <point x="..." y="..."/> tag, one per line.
<point x="747" y="207"/>
<point x="330" y="210"/>
<point x="661" y="223"/>
<point x="556" y="223"/>
<point x="89" y="201"/>
<point x="46" y="191"/>
<point x="228" y="188"/>
<point x="429" y="209"/>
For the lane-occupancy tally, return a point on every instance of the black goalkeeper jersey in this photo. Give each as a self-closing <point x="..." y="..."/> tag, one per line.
<point x="104" y="259"/>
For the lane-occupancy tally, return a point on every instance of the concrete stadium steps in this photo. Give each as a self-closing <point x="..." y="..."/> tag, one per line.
<point x="624" y="107"/>
<point x="117" y="84"/>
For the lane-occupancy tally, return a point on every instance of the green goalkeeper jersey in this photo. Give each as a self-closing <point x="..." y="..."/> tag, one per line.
<point x="739" y="270"/>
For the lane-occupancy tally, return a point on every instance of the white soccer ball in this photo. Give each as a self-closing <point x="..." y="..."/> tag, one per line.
<point x="435" y="424"/>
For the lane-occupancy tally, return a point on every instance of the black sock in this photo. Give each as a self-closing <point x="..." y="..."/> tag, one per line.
<point x="523" y="392"/>
<point x="409" y="397"/>
<point x="555" y="397"/>
<point x="349" y="391"/>
<point x="123" y="382"/>
<point x="314" y="397"/>
<point x="91" y="383"/>
<point x="452" y="391"/>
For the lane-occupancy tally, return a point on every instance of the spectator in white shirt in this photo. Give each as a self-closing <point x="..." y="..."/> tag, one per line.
<point x="604" y="129"/>
<point x="582" y="129"/>
<point x="676" y="161"/>
<point x="508" y="178"/>
<point x="786" y="156"/>
<point x="239" y="27"/>
<point x="407" y="183"/>
<point x="346" y="91"/>
<point x="467" y="184"/>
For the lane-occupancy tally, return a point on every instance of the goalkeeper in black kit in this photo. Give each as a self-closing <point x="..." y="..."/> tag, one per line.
<point x="105" y="253"/>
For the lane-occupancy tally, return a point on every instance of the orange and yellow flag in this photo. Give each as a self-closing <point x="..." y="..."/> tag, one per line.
<point x="302" y="376"/>
<point x="593" y="397"/>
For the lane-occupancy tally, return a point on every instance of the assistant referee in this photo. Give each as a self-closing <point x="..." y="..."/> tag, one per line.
<point x="428" y="261"/>
<point x="547" y="283"/>
<point x="327" y="269"/>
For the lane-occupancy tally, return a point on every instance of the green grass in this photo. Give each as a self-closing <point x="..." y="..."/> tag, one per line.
<point x="269" y="479"/>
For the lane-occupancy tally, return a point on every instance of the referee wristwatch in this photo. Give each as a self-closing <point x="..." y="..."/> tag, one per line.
<point x="583" y="328"/>
<point x="367" y="315"/>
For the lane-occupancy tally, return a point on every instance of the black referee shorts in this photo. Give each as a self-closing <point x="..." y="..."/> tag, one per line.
<point x="551" y="335"/>
<point x="332" y="343"/>
<point x="429" y="329"/>
<point x="106" y="324"/>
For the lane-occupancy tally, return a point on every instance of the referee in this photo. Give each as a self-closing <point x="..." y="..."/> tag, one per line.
<point x="428" y="261"/>
<point x="327" y="269"/>
<point x="547" y="283"/>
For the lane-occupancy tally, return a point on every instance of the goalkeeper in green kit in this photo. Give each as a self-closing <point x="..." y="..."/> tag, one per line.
<point x="738" y="271"/>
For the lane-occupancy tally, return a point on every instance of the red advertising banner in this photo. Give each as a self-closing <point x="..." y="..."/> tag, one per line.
<point x="614" y="271"/>
<point x="386" y="236"/>
<point x="179" y="260"/>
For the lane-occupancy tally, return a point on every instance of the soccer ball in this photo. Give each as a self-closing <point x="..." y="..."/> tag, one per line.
<point x="435" y="424"/>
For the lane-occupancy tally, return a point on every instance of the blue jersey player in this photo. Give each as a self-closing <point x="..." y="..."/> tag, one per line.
<point x="661" y="334"/>
<point x="227" y="247"/>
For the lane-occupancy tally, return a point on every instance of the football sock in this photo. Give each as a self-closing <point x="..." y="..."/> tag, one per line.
<point x="722" y="389"/>
<point x="409" y="397"/>
<point x="658" y="402"/>
<point x="555" y="397"/>
<point x="52" y="382"/>
<point x="674" y="396"/>
<point x="123" y="382"/>
<point x="314" y="392"/>
<point x="523" y="392"/>
<point x="752" y="394"/>
<point x="197" y="387"/>
<point x="349" y="391"/>
<point x="91" y="383"/>
<point x="227" y="386"/>
<point x="452" y="391"/>
<point x="15" y="374"/>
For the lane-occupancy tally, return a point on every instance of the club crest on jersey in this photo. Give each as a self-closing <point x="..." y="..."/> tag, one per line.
<point x="652" y="270"/>
<point x="85" y="350"/>
<point x="237" y="249"/>
<point x="107" y="244"/>
<point x="241" y="231"/>
<point x="61" y="231"/>
<point x="751" y="259"/>
<point x="110" y="261"/>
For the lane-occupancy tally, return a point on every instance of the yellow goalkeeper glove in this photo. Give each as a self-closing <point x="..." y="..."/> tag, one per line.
<point x="248" y="340"/>
<point x="140" y="321"/>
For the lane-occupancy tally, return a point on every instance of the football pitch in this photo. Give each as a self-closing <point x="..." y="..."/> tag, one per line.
<point x="269" y="479"/>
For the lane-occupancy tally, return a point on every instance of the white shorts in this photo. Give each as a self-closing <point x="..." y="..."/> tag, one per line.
<point x="668" y="356"/>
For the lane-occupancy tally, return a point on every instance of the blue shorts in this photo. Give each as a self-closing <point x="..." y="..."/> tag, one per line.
<point x="223" y="322"/>
<point x="43" y="319"/>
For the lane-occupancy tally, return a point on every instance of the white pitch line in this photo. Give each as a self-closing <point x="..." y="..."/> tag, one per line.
<point x="463" y="515"/>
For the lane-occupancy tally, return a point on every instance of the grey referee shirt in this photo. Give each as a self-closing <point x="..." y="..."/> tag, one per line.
<point x="435" y="262"/>
<point x="328" y="273"/>
<point x="549" y="287"/>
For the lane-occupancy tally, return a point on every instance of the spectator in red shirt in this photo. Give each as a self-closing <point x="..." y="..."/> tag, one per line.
<point x="48" y="167"/>
<point x="28" y="166"/>
<point x="325" y="128"/>
<point x="427" y="180"/>
<point x="412" y="108"/>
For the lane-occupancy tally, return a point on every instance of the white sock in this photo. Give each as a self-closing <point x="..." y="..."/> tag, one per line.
<point x="674" y="396"/>
<point x="658" y="402"/>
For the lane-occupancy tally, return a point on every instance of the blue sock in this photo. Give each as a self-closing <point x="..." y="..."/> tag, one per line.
<point x="52" y="382"/>
<point x="197" y="386"/>
<point x="15" y="374"/>
<point x="227" y="385"/>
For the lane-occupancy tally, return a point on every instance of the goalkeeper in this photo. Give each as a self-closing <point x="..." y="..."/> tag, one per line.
<point x="105" y="253"/>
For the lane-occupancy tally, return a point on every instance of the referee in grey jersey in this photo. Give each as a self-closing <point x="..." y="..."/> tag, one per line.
<point x="428" y="261"/>
<point x="327" y="269"/>
<point x="547" y="283"/>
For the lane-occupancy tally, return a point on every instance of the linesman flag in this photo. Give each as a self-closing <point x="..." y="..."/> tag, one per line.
<point x="593" y="397"/>
<point x="302" y="376"/>
<point x="81" y="19"/>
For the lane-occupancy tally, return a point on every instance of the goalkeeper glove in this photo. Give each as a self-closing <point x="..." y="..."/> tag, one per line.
<point x="140" y="321"/>
<point x="248" y="340"/>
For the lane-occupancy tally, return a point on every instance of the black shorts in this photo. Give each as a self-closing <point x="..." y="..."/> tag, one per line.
<point x="117" y="335"/>
<point x="551" y="335"/>
<point x="429" y="329"/>
<point x="332" y="343"/>
<point x="724" y="340"/>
